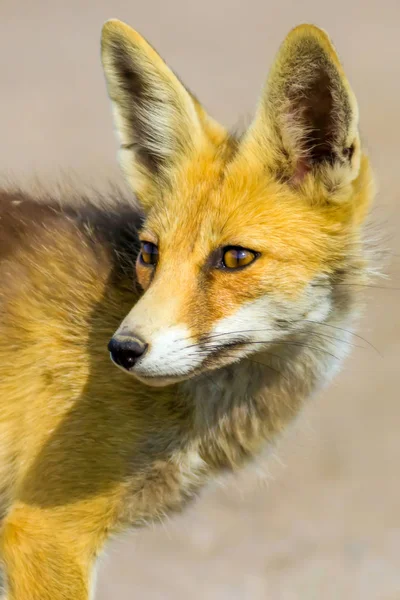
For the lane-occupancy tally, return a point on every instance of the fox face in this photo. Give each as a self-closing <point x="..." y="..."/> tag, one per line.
<point x="244" y="239"/>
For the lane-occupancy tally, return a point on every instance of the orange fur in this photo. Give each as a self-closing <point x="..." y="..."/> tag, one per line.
<point x="86" y="450"/>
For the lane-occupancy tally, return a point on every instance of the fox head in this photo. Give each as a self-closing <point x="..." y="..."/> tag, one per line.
<point x="243" y="238"/>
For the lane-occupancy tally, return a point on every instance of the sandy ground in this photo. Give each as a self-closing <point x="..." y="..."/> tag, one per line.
<point x="326" y="524"/>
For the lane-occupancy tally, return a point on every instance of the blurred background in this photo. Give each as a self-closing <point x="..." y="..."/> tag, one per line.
<point x="324" y="523"/>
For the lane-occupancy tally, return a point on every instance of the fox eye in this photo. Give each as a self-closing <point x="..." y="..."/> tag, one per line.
<point x="148" y="253"/>
<point x="236" y="257"/>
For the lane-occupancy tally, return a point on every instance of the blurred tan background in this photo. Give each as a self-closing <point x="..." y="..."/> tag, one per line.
<point x="326" y="523"/>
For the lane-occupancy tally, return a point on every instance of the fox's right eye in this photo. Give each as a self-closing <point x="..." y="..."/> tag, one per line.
<point x="148" y="253"/>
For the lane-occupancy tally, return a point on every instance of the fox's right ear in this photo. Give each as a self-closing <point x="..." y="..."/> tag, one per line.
<point x="159" y="123"/>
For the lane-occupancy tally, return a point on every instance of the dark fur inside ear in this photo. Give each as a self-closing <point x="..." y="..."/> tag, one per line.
<point x="318" y="107"/>
<point x="308" y="107"/>
<point x="137" y="100"/>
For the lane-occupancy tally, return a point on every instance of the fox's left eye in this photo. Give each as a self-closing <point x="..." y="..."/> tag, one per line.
<point x="235" y="257"/>
<point x="148" y="253"/>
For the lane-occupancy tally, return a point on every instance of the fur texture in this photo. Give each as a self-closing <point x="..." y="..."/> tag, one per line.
<point x="232" y="354"/>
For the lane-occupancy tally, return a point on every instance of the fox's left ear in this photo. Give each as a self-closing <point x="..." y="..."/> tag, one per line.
<point x="158" y="121"/>
<point x="307" y="118"/>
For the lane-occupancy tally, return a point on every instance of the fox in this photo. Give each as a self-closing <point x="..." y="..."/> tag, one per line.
<point x="151" y="343"/>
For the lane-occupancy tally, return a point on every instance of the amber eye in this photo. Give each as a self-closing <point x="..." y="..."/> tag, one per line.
<point x="148" y="253"/>
<point x="235" y="257"/>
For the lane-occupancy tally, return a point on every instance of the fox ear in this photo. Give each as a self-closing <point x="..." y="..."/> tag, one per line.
<point x="158" y="121"/>
<point x="307" y="118"/>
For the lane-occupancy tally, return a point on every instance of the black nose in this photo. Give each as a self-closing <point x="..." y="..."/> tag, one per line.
<point x="126" y="351"/>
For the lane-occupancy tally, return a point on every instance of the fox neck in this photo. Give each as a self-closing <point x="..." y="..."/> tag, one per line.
<point x="241" y="408"/>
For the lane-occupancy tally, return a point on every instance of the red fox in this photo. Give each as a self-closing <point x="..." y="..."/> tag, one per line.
<point x="225" y="295"/>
